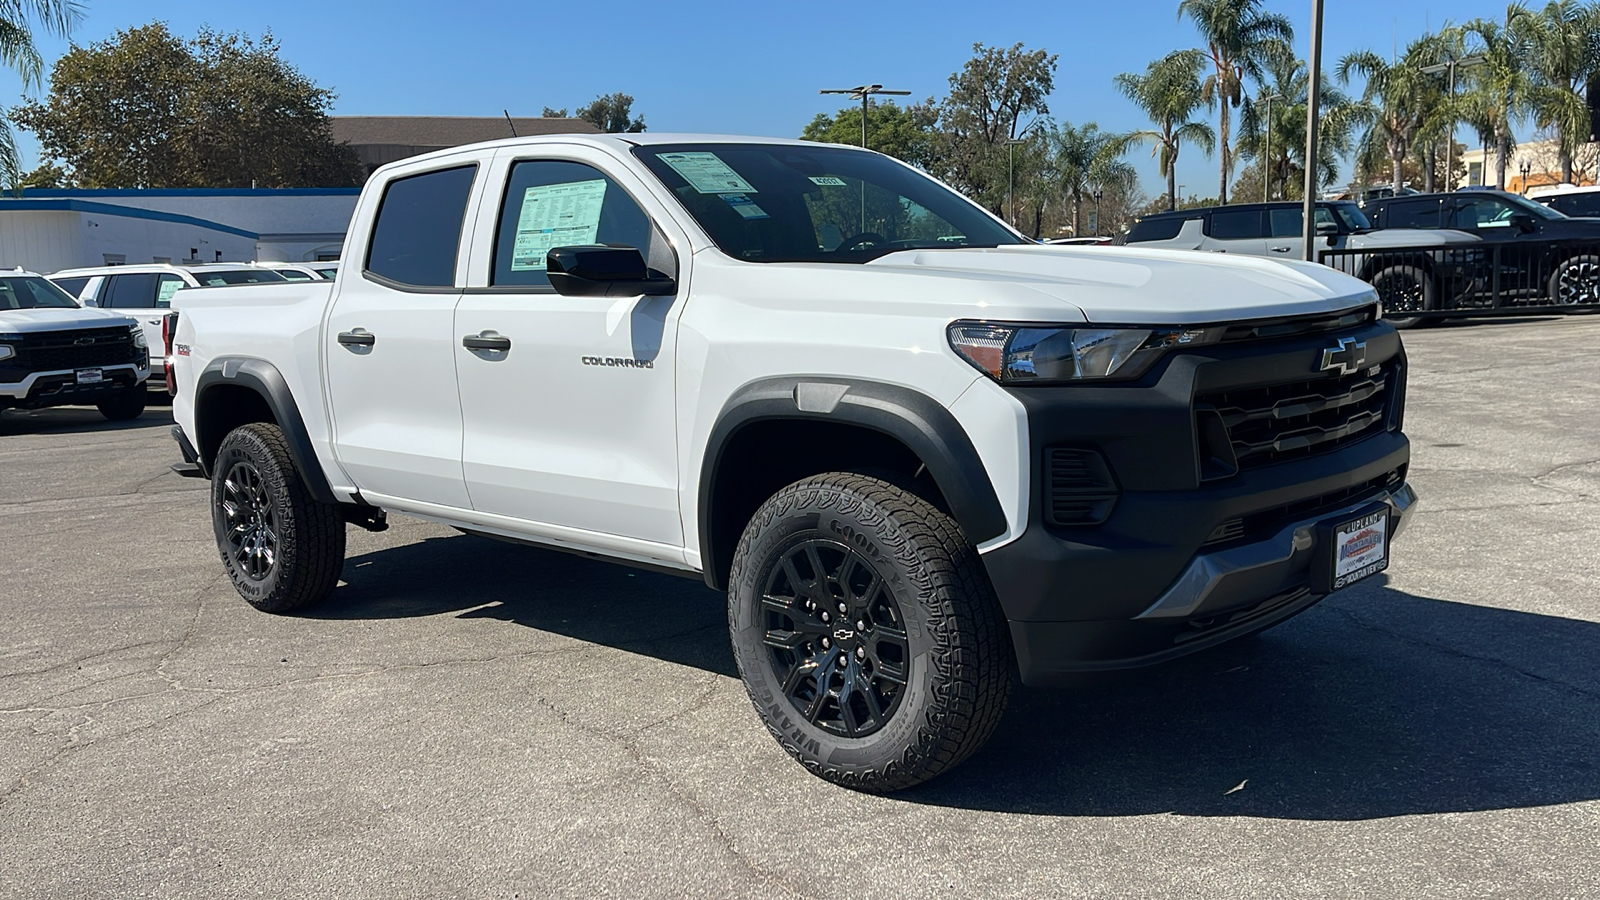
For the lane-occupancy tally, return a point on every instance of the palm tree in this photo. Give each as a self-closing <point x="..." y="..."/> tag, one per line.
<point x="1500" y="88"/>
<point x="1561" y="44"/>
<point x="17" y="52"/>
<point x="1239" y="38"/>
<point x="1288" y="80"/>
<point x="1169" y="92"/>
<point x="1397" y="102"/>
<point x="1084" y="158"/>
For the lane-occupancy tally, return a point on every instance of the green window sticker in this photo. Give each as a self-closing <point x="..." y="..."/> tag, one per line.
<point x="556" y="215"/>
<point x="164" y="292"/>
<point x="707" y="173"/>
<point x="828" y="180"/>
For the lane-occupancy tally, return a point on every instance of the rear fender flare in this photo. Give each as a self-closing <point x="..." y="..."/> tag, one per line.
<point x="264" y="379"/>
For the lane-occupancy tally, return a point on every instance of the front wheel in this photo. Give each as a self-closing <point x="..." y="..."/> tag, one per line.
<point x="1576" y="280"/>
<point x="282" y="548"/>
<point x="1403" y="290"/>
<point x="867" y="632"/>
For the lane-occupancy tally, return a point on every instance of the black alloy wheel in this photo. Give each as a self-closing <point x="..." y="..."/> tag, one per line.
<point x="251" y="522"/>
<point x="1576" y="280"/>
<point x="836" y="637"/>
<point x="1404" y="291"/>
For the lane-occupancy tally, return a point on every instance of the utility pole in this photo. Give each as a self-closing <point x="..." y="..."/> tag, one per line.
<point x="1266" y="155"/>
<point x="1450" y="65"/>
<point x="1308" y="208"/>
<point x="865" y="92"/>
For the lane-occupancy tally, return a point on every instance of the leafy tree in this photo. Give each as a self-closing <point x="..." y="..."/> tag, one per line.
<point x="1169" y="92"/>
<point x="997" y="96"/>
<point x="45" y="177"/>
<point x="908" y="133"/>
<point x="1501" y="88"/>
<point x="149" y="109"/>
<point x="612" y="114"/>
<point x="1561" y="44"/>
<point x="1083" y="159"/>
<point x="18" y="52"/>
<point x="1239" y="38"/>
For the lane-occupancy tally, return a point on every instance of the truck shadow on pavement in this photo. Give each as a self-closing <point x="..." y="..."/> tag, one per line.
<point x="1375" y="703"/>
<point x="76" y="420"/>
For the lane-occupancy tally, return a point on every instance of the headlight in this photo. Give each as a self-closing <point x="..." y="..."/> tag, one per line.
<point x="1023" y="354"/>
<point x="138" y="337"/>
<point x="7" y="351"/>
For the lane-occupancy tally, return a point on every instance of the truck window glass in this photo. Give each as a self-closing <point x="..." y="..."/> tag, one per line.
<point x="418" y="230"/>
<point x="169" y="285"/>
<point x="32" y="293"/>
<point x="133" y="291"/>
<point x="1485" y="213"/>
<point x="1236" y="225"/>
<point x="73" y="286"/>
<point x="1415" y="214"/>
<point x="553" y="203"/>
<point x="1164" y="228"/>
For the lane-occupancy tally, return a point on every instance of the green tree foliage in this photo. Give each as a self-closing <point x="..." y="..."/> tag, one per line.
<point x="1282" y="139"/>
<point x="612" y="114"/>
<point x="1501" y="88"/>
<point x="908" y="133"/>
<point x="18" y="18"/>
<point x="1084" y="159"/>
<point x="148" y="109"/>
<point x="1561" y="45"/>
<point x="1398" y="101"/>
<point x="1239" y="38"/>
<point x="997" y="96"/>
<point x="1169" y="92"/>
<point x="45" y="177"/>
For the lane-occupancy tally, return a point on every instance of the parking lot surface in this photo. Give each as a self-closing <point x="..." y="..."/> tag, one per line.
<point x="478" y="719"/>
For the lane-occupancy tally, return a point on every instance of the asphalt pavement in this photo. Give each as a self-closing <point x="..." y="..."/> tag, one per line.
<point x="469" y="718"/>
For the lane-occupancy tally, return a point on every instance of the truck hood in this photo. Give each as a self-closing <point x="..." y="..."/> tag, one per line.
<point x="27" y="321"/>
<point x="1136" y="286"/>
<point x="1411" y="237"/>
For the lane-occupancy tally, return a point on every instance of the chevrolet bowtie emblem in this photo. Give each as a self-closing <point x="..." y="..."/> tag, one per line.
<point x="1345" y="358"/>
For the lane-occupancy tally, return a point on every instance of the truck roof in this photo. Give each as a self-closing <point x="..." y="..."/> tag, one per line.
<point x="617" y="142"/>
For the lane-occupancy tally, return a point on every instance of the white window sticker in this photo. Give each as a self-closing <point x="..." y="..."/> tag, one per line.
<point x="744" y="206"/>
<point x="167" y="289"/>
<point x="707" y="173"/>
<point x="827" y="180"/>
<point x="556" y="215"/>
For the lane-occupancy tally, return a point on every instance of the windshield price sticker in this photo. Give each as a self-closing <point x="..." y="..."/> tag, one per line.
<point x="707" y="173"/>
<point x="1361" y="548"/>
<point x="744" y="206"/>
<point x="556" y="215"/>
<point x="828" y="180"/>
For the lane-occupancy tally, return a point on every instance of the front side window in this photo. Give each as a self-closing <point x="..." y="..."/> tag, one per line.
<point x="554" y="203"/>
<point x="33" y="293"/>
<point x="165" y="288"/>
<point x="133" y="291"/>
<point x="1485" y="213"/>
<point x="1416" y="214"/>
<point x="1236" y="225"/>
<point x="295" y="275"/>
<point x="1582" y="205"/>
<point x="787" y="203"/>
<point x="418" y="230"/>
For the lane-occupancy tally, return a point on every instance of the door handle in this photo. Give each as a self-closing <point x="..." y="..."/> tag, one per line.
<point x="487" y="341"/>
<point x="1279" y="249"/>
<point x="357" y="338"/>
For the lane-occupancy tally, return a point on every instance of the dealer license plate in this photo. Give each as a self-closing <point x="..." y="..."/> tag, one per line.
<point x="1360" y="548"/>
<point x="91" y="376"/>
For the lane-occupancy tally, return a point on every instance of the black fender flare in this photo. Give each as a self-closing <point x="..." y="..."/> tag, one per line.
<point x="264" y="379"/>
<point x="921" y="423"/>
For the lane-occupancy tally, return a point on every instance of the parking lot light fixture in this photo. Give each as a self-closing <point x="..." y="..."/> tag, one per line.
<point x="1450" y="66"/>
<point x="1308" y="204"/>
<point x="864" y="92"/>
<point x="1266" y="155"/>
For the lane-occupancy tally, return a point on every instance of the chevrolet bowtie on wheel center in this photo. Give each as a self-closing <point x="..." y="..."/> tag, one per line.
<point x="922" y="455"/>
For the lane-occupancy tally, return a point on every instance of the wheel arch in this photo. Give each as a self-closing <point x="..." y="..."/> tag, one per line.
<point x="885" y="418"/>
<point x="234" y="391"/>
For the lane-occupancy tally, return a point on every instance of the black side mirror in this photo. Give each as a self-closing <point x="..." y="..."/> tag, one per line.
<point x="601" y="270"/>
<point x="1327" y="228"/>
<point x="1524" y="223"/>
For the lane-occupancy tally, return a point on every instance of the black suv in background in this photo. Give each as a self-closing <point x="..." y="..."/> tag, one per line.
<point x="1538" y="254"/>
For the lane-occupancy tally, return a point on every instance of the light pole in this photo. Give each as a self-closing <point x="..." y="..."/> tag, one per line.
<point x="1011" y="173"/>
<point x="865" y="92"/>
<point x="1308" y="206"/>
<point x="1450" y="65"/>
<point x="1175" y="200"/>
<point x="1096" y="212"/>
<point x="1266" y="155"/>
<point x="1525" y="167"/>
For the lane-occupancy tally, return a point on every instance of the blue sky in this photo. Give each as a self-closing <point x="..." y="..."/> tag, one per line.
<point x="726" y="67"/>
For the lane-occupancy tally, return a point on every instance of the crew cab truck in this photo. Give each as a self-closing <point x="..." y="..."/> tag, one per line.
<point x="55" y="353"/>
<point x="920" y="453"/>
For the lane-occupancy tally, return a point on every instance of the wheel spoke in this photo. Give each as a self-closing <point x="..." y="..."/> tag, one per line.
<point x="796" y="675"/>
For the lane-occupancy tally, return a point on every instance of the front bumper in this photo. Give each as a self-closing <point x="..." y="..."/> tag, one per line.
<point x="60" y="388"/>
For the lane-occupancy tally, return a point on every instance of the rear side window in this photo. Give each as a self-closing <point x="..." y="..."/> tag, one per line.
<point x="1414" y="214"/>
<point x="73" y="286"/>
<point x="295" y="275"/>
<point x="1155" y="229"/>
<point x="1236" y="225"/>
<point x="238" y="276"/>
<point x="1585" y="204"/>
<point x="418" y="231"/>
<point x="134" y="291"/>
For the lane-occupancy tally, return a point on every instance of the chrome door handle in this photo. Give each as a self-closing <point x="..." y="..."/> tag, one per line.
<point x="1279" y="249"/>
<point x="357" y="338"/>
<point x="487" y="341"/>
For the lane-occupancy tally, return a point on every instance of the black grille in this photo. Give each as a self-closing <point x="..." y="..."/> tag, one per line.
<point x="1270" y="520"/>
<point x="1080" y="488"/>
<point x="1279" y="422"/>
<point x="1295" y="326"/>
<point x="51" y="350"/>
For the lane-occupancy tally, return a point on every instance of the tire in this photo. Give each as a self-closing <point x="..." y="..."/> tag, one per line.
<point x="1576" y="280"/>
<point x="914" y="700"/>
<point x="1404" y="289"/>
<point x="127" y="405"/>
<point x="283" y="550"/>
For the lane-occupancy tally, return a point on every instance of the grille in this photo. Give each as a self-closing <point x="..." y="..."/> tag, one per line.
<point x="1277" y="517"/>
<point x="43" y="352"/>
<point x="1081" y="489"/>
<point x="1296" y="326"/>
<point x="1271" y="424"/>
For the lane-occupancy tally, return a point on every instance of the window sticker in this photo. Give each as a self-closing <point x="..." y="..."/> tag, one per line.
<point x="744" y="206"/>
<point x="168" y="288"/>
<point x="828" y="181"/>
<point x="707" y="173"/>
<point x="556" y="215"/>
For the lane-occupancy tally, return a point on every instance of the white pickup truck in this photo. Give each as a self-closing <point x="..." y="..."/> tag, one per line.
<point x="921" y="453"/>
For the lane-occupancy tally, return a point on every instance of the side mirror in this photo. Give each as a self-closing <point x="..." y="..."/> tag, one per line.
<point x="1524" y="223"/>
<point x="1327" y="228"/>
<point x="601" y="270"/>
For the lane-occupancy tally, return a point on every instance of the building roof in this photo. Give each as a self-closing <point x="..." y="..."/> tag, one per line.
<point x="128" y="212"/>
<point x="446" y="131"/>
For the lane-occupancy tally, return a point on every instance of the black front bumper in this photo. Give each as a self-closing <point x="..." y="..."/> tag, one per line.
<point x="1188" y="556"/>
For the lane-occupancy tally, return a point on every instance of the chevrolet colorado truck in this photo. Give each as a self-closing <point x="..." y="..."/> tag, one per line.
<point x="921" y="454"/>
<point x="55" y="353"/>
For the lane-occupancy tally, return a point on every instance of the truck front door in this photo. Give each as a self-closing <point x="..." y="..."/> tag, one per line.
<point x="568" y="402"/>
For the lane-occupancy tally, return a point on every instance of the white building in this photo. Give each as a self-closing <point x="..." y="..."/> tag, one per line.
<point x="48" y="230"/>
<point x="1542" y="159"/>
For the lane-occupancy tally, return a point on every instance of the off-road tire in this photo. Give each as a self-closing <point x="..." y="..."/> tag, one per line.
<point x="958" y="663"/>
<point x="1576" y="281"/>
<point x="127" y="405"/>
<point x="1417" y="286"/>
<point x="308" y="536"/>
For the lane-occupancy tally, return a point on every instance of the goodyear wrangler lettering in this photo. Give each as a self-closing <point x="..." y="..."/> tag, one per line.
<point x="619" y="362"/>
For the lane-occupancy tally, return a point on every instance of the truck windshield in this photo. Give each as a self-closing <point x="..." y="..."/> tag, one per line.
<point x="237" y="276"/>
<point x="1352" y="216"/>
<point x="33" y="293"/>
<point x="786" y="203"/>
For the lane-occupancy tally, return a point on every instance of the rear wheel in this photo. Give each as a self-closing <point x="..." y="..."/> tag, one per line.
<point x="127" y="405"/>
<point x="867" y="632"/>
<point x="1576" y="280"/>
<point x="1405" y="290"/>
<point x="282" y="548"/>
